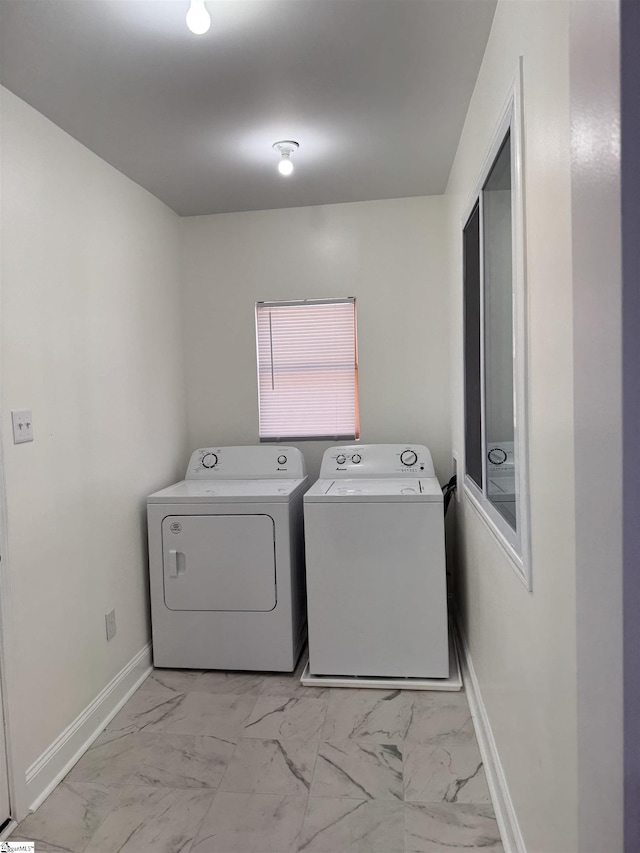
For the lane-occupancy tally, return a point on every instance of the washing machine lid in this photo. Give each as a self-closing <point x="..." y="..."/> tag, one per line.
<point x="367" y="489"/>
<point x="229" y="491"/>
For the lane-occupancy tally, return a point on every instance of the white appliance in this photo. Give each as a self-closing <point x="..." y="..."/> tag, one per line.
<point x="501" y="479"/>
<point x="375" y="563"/>
<point x="226" y="561"/>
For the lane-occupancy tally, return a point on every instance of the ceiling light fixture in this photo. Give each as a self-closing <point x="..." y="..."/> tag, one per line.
<point x="198" y="19"/>
<point x="285" y="148"/>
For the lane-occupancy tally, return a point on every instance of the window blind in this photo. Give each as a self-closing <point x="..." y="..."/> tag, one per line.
<point x="307" y="369"/>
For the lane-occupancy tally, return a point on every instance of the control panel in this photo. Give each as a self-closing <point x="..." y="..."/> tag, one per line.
<point x="501" y="478"/>
<point x="500" y="457"/>
<point x="253" y="462"/>
<point x="501" y="475"/>
<point x="377" y="460"/>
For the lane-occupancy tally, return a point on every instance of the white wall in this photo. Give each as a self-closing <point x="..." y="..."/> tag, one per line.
<point x="91" y="342"/>
<point x="523" y="645"/>
<point x="597" y="340"/>
<point x="390" y="255"/>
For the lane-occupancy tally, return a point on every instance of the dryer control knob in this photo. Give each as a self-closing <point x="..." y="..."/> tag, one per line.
<point x="209" y="460"/>
<point x="341" y="459"/>
<point x="408" y="457"/>
<point x="356" y="459"/>
<point x="282" y="460"/>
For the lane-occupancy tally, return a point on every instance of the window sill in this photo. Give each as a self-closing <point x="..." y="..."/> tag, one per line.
<point x="515" y="560"/>
<point x="290" y="438"/>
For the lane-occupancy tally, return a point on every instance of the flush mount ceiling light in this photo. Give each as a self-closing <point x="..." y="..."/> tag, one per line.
<point x="285" y="148"/>
<point x="198" y="19"/>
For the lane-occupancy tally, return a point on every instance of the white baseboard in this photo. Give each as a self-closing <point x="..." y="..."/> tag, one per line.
<point x="56" y="761"/>
<point x="512" y="839"/>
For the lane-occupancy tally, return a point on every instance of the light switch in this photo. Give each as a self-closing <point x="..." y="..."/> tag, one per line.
<point x="22" y="426"/>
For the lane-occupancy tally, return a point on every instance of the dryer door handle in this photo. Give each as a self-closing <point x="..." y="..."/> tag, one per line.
<point x="177" y="563"/>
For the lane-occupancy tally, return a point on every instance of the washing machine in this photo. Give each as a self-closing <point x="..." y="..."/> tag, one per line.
<point x="501" y="479"/>
<point x="375" y="565"/>
<point x="226" y="561"/>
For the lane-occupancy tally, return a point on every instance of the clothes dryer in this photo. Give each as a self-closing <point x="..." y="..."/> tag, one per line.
<point x="375" y="564"/>
<point x="226" y="561"/>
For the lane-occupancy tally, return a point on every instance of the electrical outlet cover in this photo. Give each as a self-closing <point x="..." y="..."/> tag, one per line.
<point x="110" y="620"/>
<point x="22" y="426"/>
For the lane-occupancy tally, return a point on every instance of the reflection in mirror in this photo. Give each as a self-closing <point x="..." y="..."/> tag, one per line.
<point x="498" y="336"/>
<point x="472" y="346"/>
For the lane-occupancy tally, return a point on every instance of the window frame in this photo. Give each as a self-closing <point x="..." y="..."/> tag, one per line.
<point x="334" y="436"/>
<point x="516" y="544"/>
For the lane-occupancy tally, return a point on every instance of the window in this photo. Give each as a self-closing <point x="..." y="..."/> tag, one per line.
<point x="472" y="373"/>
<point x="307" y="370"/>
<point x="496" y="474"/>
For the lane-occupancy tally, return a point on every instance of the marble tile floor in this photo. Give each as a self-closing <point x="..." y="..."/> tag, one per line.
<point x="213" y="762"/>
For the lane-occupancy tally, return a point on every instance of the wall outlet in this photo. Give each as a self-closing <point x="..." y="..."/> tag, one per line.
<point x="110" y="620"/>
<point x="22" y="426"/>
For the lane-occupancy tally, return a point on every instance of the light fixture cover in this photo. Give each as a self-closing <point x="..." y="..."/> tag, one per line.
<point x="284" y="148"/>
<point x="198" y="19"/>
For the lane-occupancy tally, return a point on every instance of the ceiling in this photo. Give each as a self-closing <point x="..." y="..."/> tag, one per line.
<point x="375" y="92"/>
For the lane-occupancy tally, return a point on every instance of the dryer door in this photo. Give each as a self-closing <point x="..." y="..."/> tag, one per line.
<point x="219" y="562"/>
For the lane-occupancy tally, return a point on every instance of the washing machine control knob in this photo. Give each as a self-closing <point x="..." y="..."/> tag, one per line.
<point x="282" y="460"/>
<point x="408" y="457"/>
<point x="209" y="460"/>
<point x="356" y="459"/>
<point x="497" y="456"/>
<point x="341" y="459"/>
